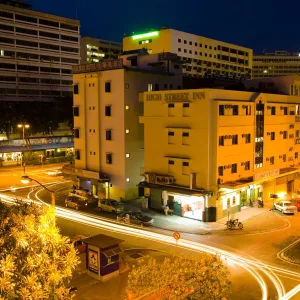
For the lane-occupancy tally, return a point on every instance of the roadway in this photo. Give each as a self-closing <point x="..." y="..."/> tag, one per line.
<point x="257" y="252"/>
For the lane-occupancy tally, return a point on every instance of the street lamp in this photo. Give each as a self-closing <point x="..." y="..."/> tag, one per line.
<point x="23" y="126"/>
<point x="26" y="179"/>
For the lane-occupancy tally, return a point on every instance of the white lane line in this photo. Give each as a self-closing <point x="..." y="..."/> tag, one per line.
<point x="281" y="256"/>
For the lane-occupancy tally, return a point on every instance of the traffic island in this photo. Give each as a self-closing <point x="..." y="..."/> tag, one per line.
<point x="291" y="253"/>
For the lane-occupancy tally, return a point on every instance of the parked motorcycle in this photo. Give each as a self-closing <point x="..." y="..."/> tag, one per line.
<point x="234" y="223"/>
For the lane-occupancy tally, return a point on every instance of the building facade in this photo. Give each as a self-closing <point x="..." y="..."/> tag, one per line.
<point x="93" y="50"/>
<point x="37" y="51"/>
<point x="108" y="139"/>
<point x="278" y="63"/>
<point x="210" y="151"/>
<point x="202" y="56"/>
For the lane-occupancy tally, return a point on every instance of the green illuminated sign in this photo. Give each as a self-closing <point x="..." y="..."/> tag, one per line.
<point x="145" y="35"/>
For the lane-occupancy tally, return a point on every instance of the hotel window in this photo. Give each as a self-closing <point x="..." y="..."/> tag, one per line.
<point x="184" y="50"/>
<point x="221" y="110"/>
<point x="179" y="40"/>
<point x="77" y="154"/>
<point x="171" y="105"/>
<point x="221" y="171"/>
<point x="76" y="111"/>
<point x="185" y="138"/>
<point x="296" y="155"/>
<point x="297" y="109"/>
<point x="297" y="133"/>
<point x="184" y="41"/>
<point x="272" y="160"/>
<point x="221" y="140"/>
<point x="235" y="110"/>
<point x="284" y="135"/>
<point x="190" y="51"/>
<point x="76" y="89"/>
<point x="171" y="137"/>
<point x="284" y="157"/>
<point x="107" y="87"/>
<point x="171" y="162"/>
<point x="272" y="136"/>
<point x="179" y="49"/>
<point x="191" y="43"/>
<point x="108" y="110"/>
<point x="76" y="133"/>
<point x="156" y="87"/>
<point x="273" y="110"/>
<point x="247" y="110"/>
<point x="149" y="87"/>
<point x="247" y="165"/>
<point x="233" y="168"/>
<point x="108" y="135"/>
<point x="235" y="139"/>
<point x="185" y="168"/>
<point x="171" y="166"/>
<point x="247" y="138"/>
<point x="109" y="158"/>
<point x="285" y="110"/>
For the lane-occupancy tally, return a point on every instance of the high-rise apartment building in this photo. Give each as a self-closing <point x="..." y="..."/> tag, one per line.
<point x="108" y="139"/>
<point x="210" y="151"/>
<point x="93" y="50"/>
<point x="278" y="63"/>
<point x="202" y="56"/>
<point x="37" y="52"/>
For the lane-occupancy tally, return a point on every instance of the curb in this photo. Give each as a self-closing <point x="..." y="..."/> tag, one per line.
<point x="281" y="255"/>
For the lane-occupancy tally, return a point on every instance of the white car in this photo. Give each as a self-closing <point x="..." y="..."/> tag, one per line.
<point x="286" y="207"/>
<point x="57" y="172"/>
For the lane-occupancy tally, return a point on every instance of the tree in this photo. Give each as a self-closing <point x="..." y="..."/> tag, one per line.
<point x="179" y="278"/>
<point x="36" y="261"/>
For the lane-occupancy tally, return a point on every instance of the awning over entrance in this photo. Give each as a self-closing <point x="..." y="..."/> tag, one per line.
<point x="176" y="189"/>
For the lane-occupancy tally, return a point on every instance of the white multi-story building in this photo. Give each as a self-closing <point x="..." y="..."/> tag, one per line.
<point x="202" y="56"/>
<point x="93" y="50"/>
<point x="108" y="139"/>
<point x="37" y="52"/>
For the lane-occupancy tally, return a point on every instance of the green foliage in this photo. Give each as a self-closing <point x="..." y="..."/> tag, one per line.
<point x="36" y="261"/>
<point x="43" y="117"/>
<point x="180" y="278"/>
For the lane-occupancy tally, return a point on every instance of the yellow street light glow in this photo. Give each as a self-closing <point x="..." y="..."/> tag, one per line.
<point x="20" y="126"/>
<point x="26" y="126"/>
<point x="145" y="35"/>
<point x="25" y="179"/>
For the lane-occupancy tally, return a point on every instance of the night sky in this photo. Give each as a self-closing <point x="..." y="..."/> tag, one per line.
<point x="257" y="24"/>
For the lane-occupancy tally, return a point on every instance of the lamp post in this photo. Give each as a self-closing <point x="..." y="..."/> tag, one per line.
<point x="26" y="179"/>
<point x="23" y="126"/>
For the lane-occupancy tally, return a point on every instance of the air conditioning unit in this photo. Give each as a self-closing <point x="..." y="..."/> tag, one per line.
<point x="280" y="156"/>
<point x="228" y="166"/>
<point x="269" y="107"/>
<point x="243" y="135"/>
<point x="269" y="133"/>
<point x="242" y="164"/>
<point x="226" y="106"/>
<point x="281" y="107"/>
<point x="291" y="126"/>
<point x="244" y="106"/>
<point x="281" y="132"/>
<point x="267" y="159"/>
<point x="230" y="136"/>
<point x="226" y="137"/>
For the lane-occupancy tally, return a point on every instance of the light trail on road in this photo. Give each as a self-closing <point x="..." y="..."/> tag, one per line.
<point x="251" y="266"/>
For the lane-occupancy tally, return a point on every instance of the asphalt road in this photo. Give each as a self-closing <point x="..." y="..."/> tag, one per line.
<point x="257" y="247"/>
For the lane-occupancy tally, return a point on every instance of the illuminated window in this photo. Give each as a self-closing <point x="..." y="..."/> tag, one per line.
<point x="127" y="155"/>
<point x="127" y="130"/>
<point x="126" y="107"/>
<point x="128" y="179"/>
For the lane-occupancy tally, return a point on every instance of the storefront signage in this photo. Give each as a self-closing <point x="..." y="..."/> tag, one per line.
<point x="93" y="261"/>
<point x="39" y="141"/>
<point x="105" y="65"/>
<point x="176" y="97"/>
<point x="264" y="175"/>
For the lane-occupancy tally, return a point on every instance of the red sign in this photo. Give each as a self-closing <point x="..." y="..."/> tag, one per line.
<point x="176" y="236"/>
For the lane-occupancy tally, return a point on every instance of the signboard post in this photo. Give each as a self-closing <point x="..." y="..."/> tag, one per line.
<point x="228" y="210"/>
<point x="176" y="236"/>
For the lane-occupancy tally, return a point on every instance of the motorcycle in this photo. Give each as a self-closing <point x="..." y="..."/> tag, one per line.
<point x="234" y="223"/>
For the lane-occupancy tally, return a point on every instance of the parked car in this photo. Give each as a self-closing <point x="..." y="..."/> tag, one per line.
<point x="136" y="218"/>
<point x="83" y="195"/>
<point x="110" y="205"/>
<point x="296" y="202"/>
<point x="286" y="207"/>
<point x="74" y="202"/>
<point x="57" y="172"/>
<point x="79" y="245"/>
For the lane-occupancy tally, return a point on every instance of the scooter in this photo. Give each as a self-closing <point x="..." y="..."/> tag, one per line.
<point x="234" y="223"/>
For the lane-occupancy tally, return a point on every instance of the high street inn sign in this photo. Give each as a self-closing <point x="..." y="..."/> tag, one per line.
<point x="176" y="97"/>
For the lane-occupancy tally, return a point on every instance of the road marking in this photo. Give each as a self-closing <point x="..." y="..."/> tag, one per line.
<point x="281" y="256"/>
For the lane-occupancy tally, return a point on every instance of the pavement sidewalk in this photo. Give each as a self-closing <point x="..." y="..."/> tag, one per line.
<point x="254" y="219"/>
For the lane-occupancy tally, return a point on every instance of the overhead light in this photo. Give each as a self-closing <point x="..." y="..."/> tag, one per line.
<point x="145" y="35"/>
<point x="128" y="179"/>
<point x="127" y="130"/>
<point x="127" y="155"/>
<point x="25" y="179"/>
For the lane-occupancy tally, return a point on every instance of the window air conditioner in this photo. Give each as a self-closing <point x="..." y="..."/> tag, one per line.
<point x="230" y="136"/>
<point x="280" y="156"/>
<point x="281" y="132"/>
<point x="243" y="135"/>
<point x="242" y="163"/>
<point x="269" y="133"/>
<point x="269" y="107"/>
<point x="267" y="159"/>
<point x="244" y="106"/>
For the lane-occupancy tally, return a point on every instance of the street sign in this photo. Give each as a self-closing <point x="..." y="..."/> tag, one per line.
<point x="228" y="207"/>
<point x="176" y="236"/>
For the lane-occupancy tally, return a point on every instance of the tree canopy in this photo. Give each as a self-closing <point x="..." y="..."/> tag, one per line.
<point x="179" y="277"/>
<point x="36" y="261"/>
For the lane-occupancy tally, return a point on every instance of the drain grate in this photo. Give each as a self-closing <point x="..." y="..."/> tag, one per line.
<point x="135" y="256"/>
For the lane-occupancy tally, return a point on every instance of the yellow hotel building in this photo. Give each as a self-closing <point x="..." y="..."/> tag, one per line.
<point x="207" y="151"/>
<point x="201" y="55"/>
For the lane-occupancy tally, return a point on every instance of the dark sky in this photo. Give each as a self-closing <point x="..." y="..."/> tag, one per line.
<point x="257" y="24"/>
